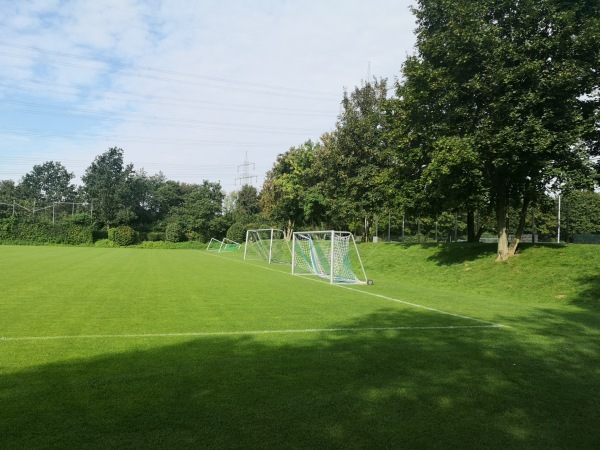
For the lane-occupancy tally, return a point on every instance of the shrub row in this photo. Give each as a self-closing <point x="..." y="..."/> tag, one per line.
<point x="13" y="230"/>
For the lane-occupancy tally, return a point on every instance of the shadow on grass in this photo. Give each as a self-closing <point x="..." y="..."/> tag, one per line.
<point x="411" y="388"/>
<point x="461" y="252"/>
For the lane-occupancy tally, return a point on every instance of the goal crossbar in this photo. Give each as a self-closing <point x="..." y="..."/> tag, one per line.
<point x="226" y="245"/>
<point x="328" y="254"/>
<point x="267" y="244"/>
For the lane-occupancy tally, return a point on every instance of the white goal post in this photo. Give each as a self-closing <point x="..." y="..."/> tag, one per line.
<point x="226" y="245"/>
<point x="268" y="244"/>
<point x="327" y="254"/>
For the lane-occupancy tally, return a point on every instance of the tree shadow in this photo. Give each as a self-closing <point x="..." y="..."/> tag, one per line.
<point x="416" y="387"/>
<point x="461" y="252"/>
<point x="589" y="296"/>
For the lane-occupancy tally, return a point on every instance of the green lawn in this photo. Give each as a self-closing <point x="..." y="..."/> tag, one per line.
<point x="139" y="348"/>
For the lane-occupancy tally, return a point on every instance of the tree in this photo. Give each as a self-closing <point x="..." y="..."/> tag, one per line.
<point x="7" y="197"/>
<point x="47" y="183"/>
<point x="246" y="202"/>
<point x="354" y="163"/>
<point x="151" y="197"/>
<point x="512" y="85"/>
<point x="107" y="185"/>
<point x="291" y="195"/>
<point x="581" y="213"/>
<point x="199" y="217"/>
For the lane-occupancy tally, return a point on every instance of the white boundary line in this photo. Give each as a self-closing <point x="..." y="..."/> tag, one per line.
<point x="485" y="323"/>
<point x="414" y="305"/>
<point x="238" y="333"/>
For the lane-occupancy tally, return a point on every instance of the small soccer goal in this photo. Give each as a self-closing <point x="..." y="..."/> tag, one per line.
<point x="226" y="245"/>
<point x="328" y="254"/>
<point x="268" y="244"/>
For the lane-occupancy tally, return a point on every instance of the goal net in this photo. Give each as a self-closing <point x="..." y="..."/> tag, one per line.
<point x="327" y="254"/>
<point x="226" y="245"/>
<point x="214" y="245"/>
<point x="268" y="244"/>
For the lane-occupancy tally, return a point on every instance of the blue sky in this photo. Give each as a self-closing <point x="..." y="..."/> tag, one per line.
<point x="188" y="88"/>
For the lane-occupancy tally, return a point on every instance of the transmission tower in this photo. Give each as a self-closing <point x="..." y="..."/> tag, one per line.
<point x="246" y="177"/>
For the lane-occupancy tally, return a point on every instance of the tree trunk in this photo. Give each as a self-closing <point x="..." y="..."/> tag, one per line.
<point x="289" y="231"/>
<point x="479" y="233"/>
<point x="471" y="236"/>
<point x="501" y="209"/>
<point x="519" y="231"/>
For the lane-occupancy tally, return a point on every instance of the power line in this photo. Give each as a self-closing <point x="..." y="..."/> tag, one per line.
<point x="230" y="84"/>
<point x="163" y="100"/>
<point x="66" y="111"/>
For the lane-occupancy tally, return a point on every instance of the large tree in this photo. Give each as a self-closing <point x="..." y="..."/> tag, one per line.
<point x="353" y="162"/>
<point x="200" y="215"/>
<point x="107" y="185"/>
<point x="510" y="88"/>
<point x="246" y="203"/>
<point x="291" y="195"/>
<point x="47" y="183"/>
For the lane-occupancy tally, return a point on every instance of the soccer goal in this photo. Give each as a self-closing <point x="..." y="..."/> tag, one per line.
<point x="268" y="244"/>
<point x="327" y="254"/>
<point x="214" y="245"/>
<point x="226" y="245"/>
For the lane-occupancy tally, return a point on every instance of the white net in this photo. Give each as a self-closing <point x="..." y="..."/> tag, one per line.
<point x="214" y="245"/>
<point x="229" y="246"/>
<point x="268" y="244"/>
<point x="327" y="254"/>
<point x="226" y="245"/>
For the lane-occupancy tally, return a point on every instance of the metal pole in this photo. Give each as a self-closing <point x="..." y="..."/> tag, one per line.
<point x="271" y="247"/>
<point x="402" y="227"/>
<point x="331" y="257"/>
<point x="456" y="227"/>
<point x="558" y="237"/>
<point x="293" y="252"/>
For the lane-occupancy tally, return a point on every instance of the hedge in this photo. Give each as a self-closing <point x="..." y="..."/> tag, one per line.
<point x="18" y="230"/>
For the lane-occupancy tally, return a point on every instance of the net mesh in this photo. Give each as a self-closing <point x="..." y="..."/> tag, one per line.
<point x="214" y="245"/>
<point x="226" y="245"/>
<point x="269" y="245"/>
<point x="326" y="254"/>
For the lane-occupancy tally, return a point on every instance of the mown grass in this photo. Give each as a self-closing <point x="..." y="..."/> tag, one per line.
<point x="139" y="348"/>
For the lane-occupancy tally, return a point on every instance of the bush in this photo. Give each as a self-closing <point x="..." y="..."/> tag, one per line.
<point x="237" y="232"/>
<point x="174" y="232"/>
<point x="29" y="230"/>
<point x="104" y="243"/>
<point x="122" y="236"/>
<point x="155" y="236"/>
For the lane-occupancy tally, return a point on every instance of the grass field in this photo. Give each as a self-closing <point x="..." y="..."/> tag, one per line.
<point x="138" y="348"/>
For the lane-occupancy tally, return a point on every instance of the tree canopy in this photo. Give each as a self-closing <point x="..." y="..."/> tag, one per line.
<point x="498" y="106"/>
<point x="47" y="183"/>
<point x="507" y="91"/>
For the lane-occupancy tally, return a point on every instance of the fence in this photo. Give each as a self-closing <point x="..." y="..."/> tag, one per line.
<point x="51" y="212"/>
<point x="452" y="228"/>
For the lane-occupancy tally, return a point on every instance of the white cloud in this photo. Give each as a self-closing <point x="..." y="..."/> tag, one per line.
<point x="187" y="87"/>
